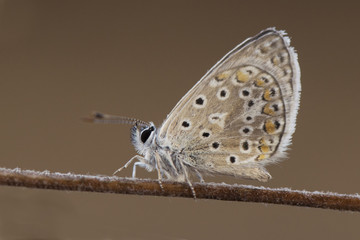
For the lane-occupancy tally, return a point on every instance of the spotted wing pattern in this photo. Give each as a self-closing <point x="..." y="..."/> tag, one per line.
<point x="241" y="115"/>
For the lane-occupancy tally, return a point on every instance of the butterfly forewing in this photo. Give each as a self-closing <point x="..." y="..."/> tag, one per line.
<point x="241" y="114"/>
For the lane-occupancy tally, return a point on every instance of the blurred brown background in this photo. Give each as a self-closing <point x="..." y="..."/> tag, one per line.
<point x="60" y="60"/>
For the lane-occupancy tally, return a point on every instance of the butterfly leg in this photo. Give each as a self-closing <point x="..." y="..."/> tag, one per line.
<point x="128" y="163"/>
<point x="140" y="164"/>
<point x="158" y="166"/>
<point x="198" y="174"/>
<point x="187" y="178"/>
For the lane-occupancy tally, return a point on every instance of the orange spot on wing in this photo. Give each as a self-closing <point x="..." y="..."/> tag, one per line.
<point x="260" y="82"/>
<point x="267" y="110"/>
<point x="264" y="148"/>
<point x="222" y="76"/>
<point x="267" y="95"/>
<point x="269" y="127"/>
<point x="261" y="157"/>
<point x="242" y="77"/>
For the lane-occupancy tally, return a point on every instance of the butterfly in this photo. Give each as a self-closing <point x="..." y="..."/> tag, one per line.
<point x="237" y="119"/>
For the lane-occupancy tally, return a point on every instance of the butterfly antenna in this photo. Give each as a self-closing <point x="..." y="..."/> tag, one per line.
<point x="97" y="117"/>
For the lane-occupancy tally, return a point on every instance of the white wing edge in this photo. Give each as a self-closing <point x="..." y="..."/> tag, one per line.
<point x="291" y="119"/>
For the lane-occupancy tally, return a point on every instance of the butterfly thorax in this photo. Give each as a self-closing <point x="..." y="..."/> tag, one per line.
<point x="146" y="142"/>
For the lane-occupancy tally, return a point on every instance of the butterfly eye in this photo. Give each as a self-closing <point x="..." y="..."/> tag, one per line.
<point x="145" y="134"/>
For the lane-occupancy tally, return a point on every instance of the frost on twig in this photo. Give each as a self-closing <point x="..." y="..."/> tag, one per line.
<point x="245" y="193"/>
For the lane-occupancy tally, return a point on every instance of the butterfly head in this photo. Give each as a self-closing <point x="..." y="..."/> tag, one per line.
<point x="142" y="137"/>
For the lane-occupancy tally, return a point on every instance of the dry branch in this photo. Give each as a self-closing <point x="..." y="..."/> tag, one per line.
<point x="245" y="193"/>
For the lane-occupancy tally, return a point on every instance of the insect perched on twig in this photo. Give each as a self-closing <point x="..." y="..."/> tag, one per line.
<point x="237" y="119"/>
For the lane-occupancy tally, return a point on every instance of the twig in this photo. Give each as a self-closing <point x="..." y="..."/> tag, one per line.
<point x="245" y="193"/>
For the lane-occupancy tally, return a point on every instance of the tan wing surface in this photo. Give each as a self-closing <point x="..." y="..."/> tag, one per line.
<point x="242" y="113"/>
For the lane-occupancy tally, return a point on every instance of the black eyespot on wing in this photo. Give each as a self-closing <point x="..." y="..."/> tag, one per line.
<point x="145" y="134"/>
<point x="245" y="93"/>
<point x="272" y="92"/>
<point x="215" y="145"/>
<point x="232" y="159"/>
<point x="277" y="124"/>
<point x="223" y="93"/>
<point x="276" y="107"/>
<point x="185" y="124"/>
<point x="206" y="134"/>
<point x="245" y="145"/>
<point x="246" y="130"/>
<point x="199" y="101"/>
<point x="249" y="118"/>
<point x="250" y="103"/>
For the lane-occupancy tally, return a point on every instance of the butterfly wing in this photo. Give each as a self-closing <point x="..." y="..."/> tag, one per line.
<point x="241" y="115"/>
